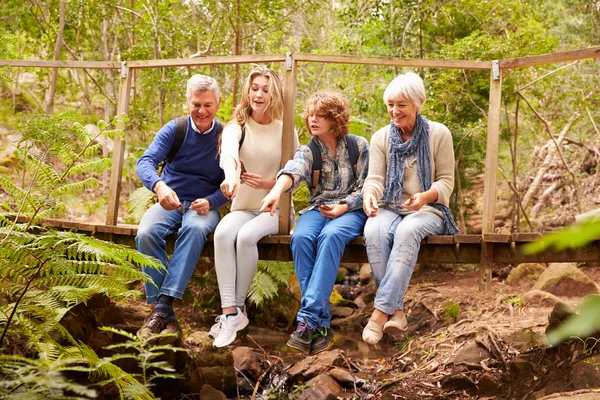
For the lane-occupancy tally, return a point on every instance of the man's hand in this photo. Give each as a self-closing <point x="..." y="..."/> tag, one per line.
<point x="370" y="203"/>
<point x="230" y="188"/>
<point x="270" y="203"/>
<point x="201" y="206"/>
<point x="333" y="211"/>
<point x="167" y="198"/>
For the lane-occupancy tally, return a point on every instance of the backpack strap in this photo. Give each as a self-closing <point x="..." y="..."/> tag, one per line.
<point x="352" y="148"/>
<point x="181" y="125"/>
<point x="317" y="163"/>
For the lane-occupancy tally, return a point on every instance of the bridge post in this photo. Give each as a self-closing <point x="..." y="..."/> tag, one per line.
<point x="491" y="170"/>
<point x="116" y="172"/>
<point x="287" y="143"/>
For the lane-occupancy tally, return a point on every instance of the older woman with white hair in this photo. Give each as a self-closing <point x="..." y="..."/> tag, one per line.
<point x="406" y="196"/>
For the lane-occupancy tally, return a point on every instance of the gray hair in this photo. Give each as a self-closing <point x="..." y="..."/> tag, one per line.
<point x="409" y="85"/>
<point x="202" y="83"/>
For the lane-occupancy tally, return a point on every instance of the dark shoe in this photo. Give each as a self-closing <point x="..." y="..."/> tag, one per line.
<point x="302" y="338"/>
<point x="153" y="324"/>
<point x="322" y="340"/>
<point x="173" y="329"/>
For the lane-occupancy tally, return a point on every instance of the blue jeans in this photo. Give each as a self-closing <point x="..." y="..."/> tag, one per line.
<point x="156" y="225"/>
<point x="393" y="242"/>
<point x="318" y="244"/>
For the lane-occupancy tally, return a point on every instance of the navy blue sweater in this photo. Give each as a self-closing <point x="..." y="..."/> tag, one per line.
<point x="194" y="172"/>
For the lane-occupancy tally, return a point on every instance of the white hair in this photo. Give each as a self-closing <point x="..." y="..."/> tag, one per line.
<point x="202" y="83"/>
<point x="409" y="85"/>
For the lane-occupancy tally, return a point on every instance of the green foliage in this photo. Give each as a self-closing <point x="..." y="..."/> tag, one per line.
<point x="45" y="273"/>
<point x="577" y="235"/>
<point x="147" y="357"/>
<point x="583" y="324"/>
<point x="451" y="312"/>
<point x="270" y="277"/>
<point x="139" y="201"/>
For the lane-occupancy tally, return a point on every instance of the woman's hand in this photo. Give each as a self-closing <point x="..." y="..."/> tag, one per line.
<point x="333" y="211"/>
<point x="230" y="187"/>
<point x="418" y="200"/>
<point x="370" y="203"/>
<point x="256" y="181"/>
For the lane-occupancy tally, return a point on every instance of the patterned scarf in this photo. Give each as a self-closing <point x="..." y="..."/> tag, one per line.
<point x="394" y="180"/>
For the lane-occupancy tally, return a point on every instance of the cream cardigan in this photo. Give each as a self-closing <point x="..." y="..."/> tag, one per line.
<point x="442" y="166"/>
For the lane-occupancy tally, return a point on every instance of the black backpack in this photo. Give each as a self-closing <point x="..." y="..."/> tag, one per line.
<point x="181" y="125"/>
<point x="317" y="164"/>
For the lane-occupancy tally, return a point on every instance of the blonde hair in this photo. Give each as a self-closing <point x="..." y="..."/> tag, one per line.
<point x="331" y="106"/>
<point x="274" y="108"/>
<point x="409" y="85"/>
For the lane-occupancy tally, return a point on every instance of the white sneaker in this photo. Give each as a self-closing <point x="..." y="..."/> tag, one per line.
<point x="229" y="328"/>
<point x="214" y="330"/>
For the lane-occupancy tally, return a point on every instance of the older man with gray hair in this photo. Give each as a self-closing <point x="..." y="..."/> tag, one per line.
<point x="189" y="197"/>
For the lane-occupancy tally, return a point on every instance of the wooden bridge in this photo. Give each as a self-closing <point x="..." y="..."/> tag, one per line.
<point x="486" y="249"/>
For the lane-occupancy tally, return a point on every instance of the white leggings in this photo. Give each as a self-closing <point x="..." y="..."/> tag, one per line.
<point x="236" y="254"/>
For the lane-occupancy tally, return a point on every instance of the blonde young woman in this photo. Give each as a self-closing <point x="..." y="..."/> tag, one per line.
<point x="250" y="170"/>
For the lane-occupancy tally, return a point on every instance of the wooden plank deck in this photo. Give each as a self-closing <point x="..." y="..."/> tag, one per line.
<point x="457" y="249"/>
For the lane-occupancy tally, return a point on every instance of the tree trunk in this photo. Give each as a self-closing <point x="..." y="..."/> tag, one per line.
<point x="57" y="48"/>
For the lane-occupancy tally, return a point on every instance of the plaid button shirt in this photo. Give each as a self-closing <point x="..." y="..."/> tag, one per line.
<point x="338" y="185"/>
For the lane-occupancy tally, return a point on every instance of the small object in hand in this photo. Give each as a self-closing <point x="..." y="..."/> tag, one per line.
<point x="182" y="209"/>
<point x="243" y="171"/>
<point x="409" y="201"/>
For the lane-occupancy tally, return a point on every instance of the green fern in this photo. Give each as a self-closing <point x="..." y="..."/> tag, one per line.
<point x="139" y="201"/>
<point x="270" y="277"/>
<point x="44" y="273"/>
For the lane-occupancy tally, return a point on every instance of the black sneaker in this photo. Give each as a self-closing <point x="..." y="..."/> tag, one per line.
<point x="153" y="324"/>
<point x="302" y="338"/>
<point x="322" y="340"/>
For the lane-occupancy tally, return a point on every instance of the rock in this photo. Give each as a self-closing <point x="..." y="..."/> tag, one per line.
<point x="421" y="319"/>
<point x="343" y="377"/>
<point x="560" y="313"/>
<point x="526" y="273"/>
<point x="346" y="303"/>
<point x="348" y="292"/>
<point x="563" y="279"/>
<point x="210" y="393"/>
<point x="351" y="323"/>
<point x="209" y="365"/>
<point x="471" y="353"/>
<point x="351" y="267"/>
<point x="341" y="312"/>
<point x="322" y="387"/>
<point x="525" y="339"/>
<point x="520" y="366"/>
<point x="458" y="382"/>
<point x="586" y="373"/>
<point x="312" y="366"/>
<point x="360" y="302"/>
<point x="488" y="385"/>
<point x="341" y="275"/>
<point x="567" y="396"/>
<point x="365" y="274"/>
<point x="540" y="298"/>
<point x="247" y="361"/>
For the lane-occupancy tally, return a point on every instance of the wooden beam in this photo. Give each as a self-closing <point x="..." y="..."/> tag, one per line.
<point x="61" y="64"/>
<point x="218" y="60"/>
<point x="543" y="59"/>
<point x="491" y="170"/>
<point x="116" y="172"/>
<point x="287" y="143"/>
<point x="393" y="61"/>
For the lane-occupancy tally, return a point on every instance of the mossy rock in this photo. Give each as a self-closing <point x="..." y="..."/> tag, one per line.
<point x="565" y="279"/>
<point x="525" y="273"/>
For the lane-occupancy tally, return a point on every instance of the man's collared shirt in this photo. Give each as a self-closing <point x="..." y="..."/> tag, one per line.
<point x="195" y="128"/>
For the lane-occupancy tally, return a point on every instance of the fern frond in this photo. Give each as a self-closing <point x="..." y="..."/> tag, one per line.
<point x="95" y="166"/>
<point x="263" y="288"/>
<point x="93" y="150"/>
<point x="16" y="193"/>
<point x="54" y="211"/>
<point x="74" y="188"/>
<point x="46" y="175"/>
<point x="139" y="201"/>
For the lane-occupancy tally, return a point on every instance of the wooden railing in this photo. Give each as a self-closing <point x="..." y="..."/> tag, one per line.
<point x="486" y="249"/>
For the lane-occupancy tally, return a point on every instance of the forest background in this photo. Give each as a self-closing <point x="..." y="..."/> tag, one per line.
<point x="463" y="29"/>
